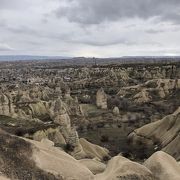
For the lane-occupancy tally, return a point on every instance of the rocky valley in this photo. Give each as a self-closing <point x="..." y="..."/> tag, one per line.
<point x="102" y="121"/>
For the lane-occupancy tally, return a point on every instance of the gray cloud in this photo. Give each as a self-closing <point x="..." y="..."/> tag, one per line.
<point x="89" y="27"/>
<point x="154" y="31"/>
<point x="5" y="47"/>
<point x="14" y="4"/>
<point x="23" y="30"/>
<point x="97" y="11"/>
<point x="105" y="42"/>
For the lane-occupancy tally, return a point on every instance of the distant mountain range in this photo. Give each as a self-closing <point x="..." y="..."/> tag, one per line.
<point x="29" y="57"/>
<point x="92" y="61"/>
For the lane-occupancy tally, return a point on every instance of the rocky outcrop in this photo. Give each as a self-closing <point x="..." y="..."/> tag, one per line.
<point x="150" y="90"/>
<point x="163" y="166"/>
<point x="101" y="99"/>
<point x="59" y="114"/>
<point x="92" y="150"/>
<point x="84" y="149"/>
<point x="4" y="178"/>
<point x="27" y="159"/>
<point x="129" y="91"/>
<point x="73" y="137"/>
<point x="57" y="162"/>
<point x="61" y="117"/>
<point x="121" y="168"/>
<point x="116" y="111"/>
<point x="93" y="165"/>
<point x="162" y="134"/>
<point x="24" y="98"/>
<point x="23" y="158"/>
<point x="39" y="110"/>
<point x="142" y="97"/>
<point x="52" y="134"/>
<point x="6" y="106"/>
<point x="72" y="105"/>
<point x="166" y="86"/>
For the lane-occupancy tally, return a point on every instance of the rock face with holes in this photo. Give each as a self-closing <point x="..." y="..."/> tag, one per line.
<point x="101" y="99"/>
<point x="164" y="134"/>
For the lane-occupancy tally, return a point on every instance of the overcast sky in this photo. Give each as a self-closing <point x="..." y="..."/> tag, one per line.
<point x="100" y="28"/>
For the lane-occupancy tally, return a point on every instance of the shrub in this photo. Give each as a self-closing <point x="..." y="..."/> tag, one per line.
<point x="69" y="147"/>
<point x="121" y="103"/>
<point x="127" y="155"/>
<point x="106" y="158"/>
<point x="104" y="138"/>
<point x="20" y="132"/>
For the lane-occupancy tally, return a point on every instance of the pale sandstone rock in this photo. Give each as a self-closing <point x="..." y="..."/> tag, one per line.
<point x="164" y="132"/>
<point x="93" y="165"/>
<point x="141" y="93"/>
<point x="47" y="142"/>
<point x="39" y="161"/>
<point x="52" y="134"/>
<point x="63" y="120"/>
<point x="57" y="162"/>
<point x="38" y="109"/>
<point x="73" y="138"/>
<point x="78" y="152"/>
<point x="4" y="178"/>
<point x="59" y="114"/>
<point x="4" y="105"/>
<point x="116" y="110"/>
<point x="39" y="135"/>
<point x="163" y="166"/>
<point x="101" y="99"/>
<point x="92" y="150"/>
<point x="130" y="89"/>
<point x="142" y="97"/>
<point x="120" y="168"/>
<point x="25" y="97"/>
